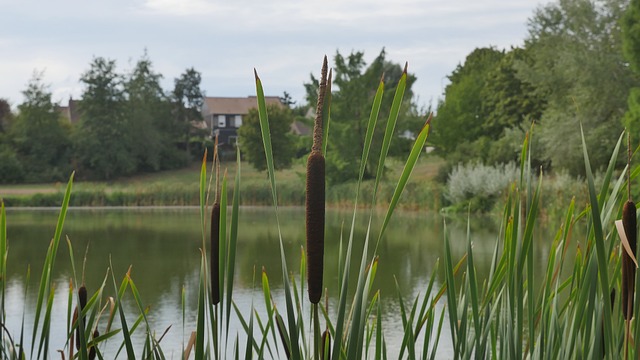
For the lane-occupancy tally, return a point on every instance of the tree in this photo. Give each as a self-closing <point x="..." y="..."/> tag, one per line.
<point x="188" y="100"/>
<point x="577" y="65"/>
<point x="103" y="141"/>
<point x="355" y="86"/>
<point x="5" y="115"/>
<point x="40" y="138"/>
<point x="149" y="116"/>
<point x="631" y="49"/>
<point x="461" y="115"/>
<point x="282" y="142"/>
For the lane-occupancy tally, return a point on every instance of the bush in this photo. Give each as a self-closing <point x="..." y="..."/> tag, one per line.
<point x="11" y="170"/>
<point x="478" y="184"/>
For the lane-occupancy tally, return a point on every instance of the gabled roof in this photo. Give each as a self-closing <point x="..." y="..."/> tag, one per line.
<point x="234" y="105"/>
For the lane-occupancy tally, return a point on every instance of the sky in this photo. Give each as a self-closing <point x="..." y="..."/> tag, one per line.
<point x="284" y="40"/>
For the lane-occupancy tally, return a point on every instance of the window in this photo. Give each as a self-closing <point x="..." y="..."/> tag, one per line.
<point x="222" y="121"/>
<point x="238" y="121"/>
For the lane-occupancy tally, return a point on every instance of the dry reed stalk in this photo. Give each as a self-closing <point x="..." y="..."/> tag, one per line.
<point x="315" y="200"/>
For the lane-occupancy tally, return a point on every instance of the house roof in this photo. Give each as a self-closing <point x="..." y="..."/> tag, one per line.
<point x="234" y="105"/>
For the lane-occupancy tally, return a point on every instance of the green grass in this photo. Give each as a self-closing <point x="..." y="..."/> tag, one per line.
<point x="179" y="188"/>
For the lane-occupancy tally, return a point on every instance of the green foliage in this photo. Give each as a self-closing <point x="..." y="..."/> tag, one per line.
<point x="283" y="142"/>
<point x="460" y="116"/>
<point x="11" y="170"/>
<point x="39" y="135"/>
<point x="508" y="101"/>
<point x="103" y="146"/>
<point x="5" y="115"/>
<point x="631" y="48"/>
<point x="148" y="111"/>
<point x="187" y="104"/>
<point x="577" y="65"/>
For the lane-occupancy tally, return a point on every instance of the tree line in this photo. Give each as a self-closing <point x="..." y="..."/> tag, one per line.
<point x="128" y="124"/>
<point x="574" y="68"/>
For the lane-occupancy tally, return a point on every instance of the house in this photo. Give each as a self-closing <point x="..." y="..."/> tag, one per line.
<point x="70" y="112"/>
<point x="223" y="115"/>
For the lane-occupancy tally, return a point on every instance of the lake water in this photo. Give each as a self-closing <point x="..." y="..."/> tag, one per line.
<point x="162" y="247"/>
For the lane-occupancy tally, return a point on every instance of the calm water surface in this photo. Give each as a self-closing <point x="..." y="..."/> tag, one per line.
<point x="162" y="248"/>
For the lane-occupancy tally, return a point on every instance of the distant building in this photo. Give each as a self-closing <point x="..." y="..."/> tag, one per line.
<point x="71" y="112"/>
<point x="223" y="115"/>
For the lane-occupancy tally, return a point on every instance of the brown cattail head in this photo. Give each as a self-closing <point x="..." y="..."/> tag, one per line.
<point x="326" y="345"/>
<point x="92" y="349"/>
<point x="215" y="253"/>
<point x="628" y="266"/>
<point x="315" y="199"/>
<point x="82" y="302"/>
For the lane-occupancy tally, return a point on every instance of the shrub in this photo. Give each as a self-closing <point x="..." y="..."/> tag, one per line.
<point x="479" y="184"/>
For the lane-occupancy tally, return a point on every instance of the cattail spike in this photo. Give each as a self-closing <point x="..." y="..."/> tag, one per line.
<point x="315" y="203"/>
<point x="315" y="200"/>
<point x="82" y="302"/>
<point x="215" y="253"/>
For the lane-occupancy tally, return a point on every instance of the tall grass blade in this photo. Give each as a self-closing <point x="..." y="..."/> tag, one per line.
<point x="600" y="249"/>
<point x="45" y="280"/>
<point x="418" y="145"/>
<point x="233" y="240"/>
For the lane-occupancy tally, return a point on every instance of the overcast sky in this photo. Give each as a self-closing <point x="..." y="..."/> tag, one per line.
<point x="225" y="39"/>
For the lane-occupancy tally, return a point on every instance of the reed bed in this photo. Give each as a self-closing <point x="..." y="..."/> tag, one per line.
<point x="565" y="312"/>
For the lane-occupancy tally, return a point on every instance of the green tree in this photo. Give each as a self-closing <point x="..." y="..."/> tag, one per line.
<point x="5" y="115"/>
<point x="103" y="141"/>
<point x="631" y="50"/>
<point x="577" y="65"/>
<point x="149" y="117"/>
<point x="282" y="141"/>
<point x="355" y="86"/>
<point x="188" y="100"/>
<point x="461" y="116"/>
<point x="41" y="139"/>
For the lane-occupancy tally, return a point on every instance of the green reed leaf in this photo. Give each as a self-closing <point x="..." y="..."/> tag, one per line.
<point x="418" y="145"/>
<point x="599" y="241"/>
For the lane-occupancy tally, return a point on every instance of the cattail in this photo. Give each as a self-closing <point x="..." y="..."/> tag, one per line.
<point x="628" y="267"/>
<point x="82" y="298"/>
<point x="630" y="228"/>
<point x="326" y="345"/>
<point x="315" y="200"/>
<point x="215" y="233"/>
<point x="92" y="349"/>
<point x="215" y="253"/>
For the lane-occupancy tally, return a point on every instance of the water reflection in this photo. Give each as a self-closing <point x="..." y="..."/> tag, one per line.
<point x="162" y="247"/>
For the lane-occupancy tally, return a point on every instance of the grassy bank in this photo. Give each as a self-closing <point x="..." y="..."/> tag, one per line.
<point x="180" y="188"/>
